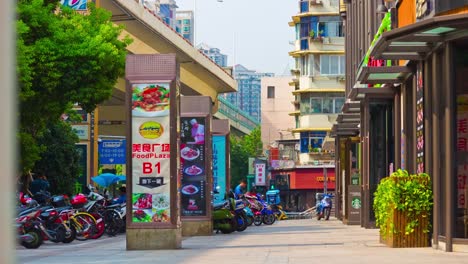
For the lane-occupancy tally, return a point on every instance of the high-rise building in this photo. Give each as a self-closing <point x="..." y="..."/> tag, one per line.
<point x="214" y="54"/>
<point x="185" y="25"/>
<point x="319" y="90"/>
<point x="247" y="97"/>
<point x="167" y="12"/>
<point x="319" y="74"/>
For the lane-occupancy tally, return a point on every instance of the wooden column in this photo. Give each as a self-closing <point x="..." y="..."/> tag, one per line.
<point x="448" y="145"/>
<point x="435" y="142"/>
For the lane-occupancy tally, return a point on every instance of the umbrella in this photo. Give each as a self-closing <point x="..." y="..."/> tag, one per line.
<point x="107" y="179"/>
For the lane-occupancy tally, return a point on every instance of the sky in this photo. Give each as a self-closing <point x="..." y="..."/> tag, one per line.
<point x="254" y="33"/>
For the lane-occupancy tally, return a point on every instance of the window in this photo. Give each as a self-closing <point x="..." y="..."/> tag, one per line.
<point x="304" y="6"/>
<point x="320" y="105"/>
<point x="331" y="28"/>
<point x="332" y="64"/>
<point x="270" y="92"/>
<point x="339" y="102"/>
<point x="304" y="65"/>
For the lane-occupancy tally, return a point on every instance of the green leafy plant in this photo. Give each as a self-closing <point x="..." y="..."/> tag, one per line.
<point x="408" y="193"/>
<point x="312" y="33"/>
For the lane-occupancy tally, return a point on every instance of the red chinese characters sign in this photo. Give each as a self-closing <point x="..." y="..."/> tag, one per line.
<point x="462" y="150"/>
<point x="419" y="120"/>
<point x="260" y="174"/>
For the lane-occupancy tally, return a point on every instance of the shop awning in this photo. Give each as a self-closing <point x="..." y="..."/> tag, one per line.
<point x="360" y="92"/>
<point x="350" y="107"/>
<point x="339" y="130"/>
<point x="415" y="41"/>
<point x="385" y="74"/>
<point x="348" y="118"/>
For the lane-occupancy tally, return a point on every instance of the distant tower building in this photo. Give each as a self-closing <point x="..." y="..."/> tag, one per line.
<point x="185" y="25"/>
<point x="167" y="12"/>
<point x="214" y="54"/>
<point x="247" y="98"/>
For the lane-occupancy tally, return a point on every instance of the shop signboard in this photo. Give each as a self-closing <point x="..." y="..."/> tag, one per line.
<point x="112" y="151"/>
<point x="151" y="153"/>
<point x="82" y="131"/>
<point x="462" y="150"/>
<point x="260" y="174"/>
<point x="354" y="206"/>
<point x="419" y="120"/>
<point x="193" y="166"/>
<point x="219" y="166"/>
<point x="80" y="5"/>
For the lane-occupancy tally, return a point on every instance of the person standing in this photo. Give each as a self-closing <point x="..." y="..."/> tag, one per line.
<point x="40" y="184"/>
<point x="239" y="190"/>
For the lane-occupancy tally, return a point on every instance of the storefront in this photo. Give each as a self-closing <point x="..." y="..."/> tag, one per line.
<point x="298" y="186"/>
<point x="433" y="116"/>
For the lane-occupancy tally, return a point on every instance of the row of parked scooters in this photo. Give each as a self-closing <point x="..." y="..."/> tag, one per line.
<point x="237" y="213"/>
<point x="61" y="219"/>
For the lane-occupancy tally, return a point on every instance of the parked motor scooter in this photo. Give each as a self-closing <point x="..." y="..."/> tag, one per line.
<point x="223" y="219"/>
<point x="324" y="206"/>
<point x="29" y="232"/>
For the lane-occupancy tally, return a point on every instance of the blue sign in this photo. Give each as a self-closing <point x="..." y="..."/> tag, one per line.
<point x="219" y="167"/>
<point x="112" y="152"/>
<point x="80" y="5"/>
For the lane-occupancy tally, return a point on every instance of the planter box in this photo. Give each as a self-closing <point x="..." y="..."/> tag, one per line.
<point x="398" y="239"/>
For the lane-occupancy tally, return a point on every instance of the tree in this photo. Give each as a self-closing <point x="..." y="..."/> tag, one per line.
<point x="64" y="58"/>
<point x="241" y="149"/>
<point x="60" y="160"/>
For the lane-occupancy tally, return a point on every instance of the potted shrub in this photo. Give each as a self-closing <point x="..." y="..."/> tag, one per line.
<point x="402" y="206"/>
<point x="311" y="33"/>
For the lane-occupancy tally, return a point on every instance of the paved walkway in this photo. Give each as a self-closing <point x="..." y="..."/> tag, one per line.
<point x="292" y="241"/>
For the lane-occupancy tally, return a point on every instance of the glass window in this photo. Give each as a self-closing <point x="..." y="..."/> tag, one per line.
<point x="316" y="105"/>
<point x="327" y="105"/>
<point x="304" y="6"/>
<point x="305" y="104"/>
<point x="270" y="92"/>
<point x="339" y="104"/>
<point x="332" y="64"/>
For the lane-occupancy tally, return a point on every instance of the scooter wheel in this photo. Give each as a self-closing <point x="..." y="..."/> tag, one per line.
<point x="250" y="220"/>
<point x="37" y="241"/>
<point x="257" y="220"/>
<point x="269" y="219"/>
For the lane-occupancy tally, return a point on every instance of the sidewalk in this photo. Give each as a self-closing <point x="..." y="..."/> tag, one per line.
<point x="293" y="241"/>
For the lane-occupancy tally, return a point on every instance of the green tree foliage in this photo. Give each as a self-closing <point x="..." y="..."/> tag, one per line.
<point x="241" y="149"/>
<point x="63" y="58"/>
<point x="60" y="160"/>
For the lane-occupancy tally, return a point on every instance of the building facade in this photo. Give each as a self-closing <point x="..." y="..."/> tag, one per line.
<point x="276" y="98"/>
<point x="214" y="54"/>
<point x="406" y="96"/>
<point x="319" y="75"/>
<point x="247" y="97"/>
<point x="304" y="166"/>
<point x="185" y="25"/>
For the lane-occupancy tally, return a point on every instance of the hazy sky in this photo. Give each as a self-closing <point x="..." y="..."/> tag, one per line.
<point x="254" y="33"/>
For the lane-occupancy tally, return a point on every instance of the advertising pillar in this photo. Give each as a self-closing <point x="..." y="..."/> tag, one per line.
<point x="195" y="165"/>
<point x="153" y="220"/>
<point x="220" y="162"/>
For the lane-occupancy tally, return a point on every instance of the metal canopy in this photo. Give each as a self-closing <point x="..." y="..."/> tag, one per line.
<point x="351" y="107"/>
<point x="359" y="92"/>
<point x="385" y="74"/>
<point x="416" y="41"/>
<point x="349" y="118"/>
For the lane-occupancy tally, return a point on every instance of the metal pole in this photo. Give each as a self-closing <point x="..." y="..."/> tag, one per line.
<point x="325" y="180"/>
<point x="8" y="130"/>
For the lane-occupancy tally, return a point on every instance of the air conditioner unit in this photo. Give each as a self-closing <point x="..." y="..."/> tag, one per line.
<point x="297" y="147"/>
<point x="281" y="146"/>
